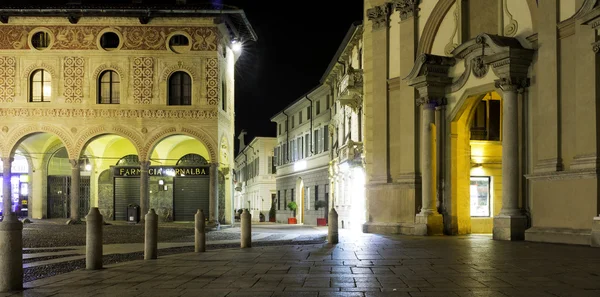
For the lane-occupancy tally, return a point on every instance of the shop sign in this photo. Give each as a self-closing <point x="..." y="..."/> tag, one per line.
<point x="132" y="171"/>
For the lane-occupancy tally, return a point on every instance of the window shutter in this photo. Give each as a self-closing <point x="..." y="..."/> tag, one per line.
<point x="326" y="138"/>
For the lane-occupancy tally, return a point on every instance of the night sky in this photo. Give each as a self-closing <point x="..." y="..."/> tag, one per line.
<point x="296" y="42"/>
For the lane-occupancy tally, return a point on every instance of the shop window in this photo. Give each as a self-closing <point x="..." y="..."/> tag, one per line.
<point x="192" y="160"/>
<point x="180" y="89"/>
<point x="480" y="196"/>
<point x="108" y="88"/>
<point x="40" y="86"/>
<point x="486" y="121"/>
<point x="129" y="160"/>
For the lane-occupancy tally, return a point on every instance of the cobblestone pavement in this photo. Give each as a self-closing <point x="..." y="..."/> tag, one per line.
<point x="364" y="265"/>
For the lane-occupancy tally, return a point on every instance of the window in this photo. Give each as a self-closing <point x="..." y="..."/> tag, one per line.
<point x="327" y="105"/>
<point x="317" y="147"/>
<point x="278" y="200"/>
<point x="316" y="196"/>
<point x="40" y="40"/>
<point x="326" y="138"/>
<point x="359" y="125"/>
<point x="272" y="168"/>
<point x="306" y="145"/>
<point x="300" y="117"/>
<point x="284" y="199"/>
<point x="318" y="105"/>
<point x="293" y="122"/>
<point x="223" y="96"/>
<point x="108" y="89"/>
<point x="286" y="125"/>
<point x="486" y="121"/>
<point x="40" y="86"/>
<point x="308" y="113"/>
<point x="279" y="129"/>
<point x="180" y="89"/>
<point x="109" y="41"/>
<point x="292" y="194"/>
<point x="480" y="196"/>
<point x="301" y="153"/>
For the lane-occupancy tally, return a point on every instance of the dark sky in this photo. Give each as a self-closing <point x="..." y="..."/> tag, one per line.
<point x="296" y="42"/>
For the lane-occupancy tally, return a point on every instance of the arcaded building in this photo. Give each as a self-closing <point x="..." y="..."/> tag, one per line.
<point x="480" y="117"/>
<point x="119" y="106"/>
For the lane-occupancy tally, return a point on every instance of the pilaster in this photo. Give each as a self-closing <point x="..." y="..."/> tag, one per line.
<point x="75" y="176"/>
<point x="6" y="187"/>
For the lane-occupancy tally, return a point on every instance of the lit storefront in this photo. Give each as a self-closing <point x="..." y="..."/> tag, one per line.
<point x="19" y="181"/>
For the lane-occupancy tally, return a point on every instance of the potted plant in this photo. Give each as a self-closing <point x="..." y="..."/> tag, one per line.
<point x="323" y="220"/>
<point x="292" y="206"/>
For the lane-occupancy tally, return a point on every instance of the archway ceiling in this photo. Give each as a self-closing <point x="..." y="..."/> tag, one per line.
<point x="170" y="149"/>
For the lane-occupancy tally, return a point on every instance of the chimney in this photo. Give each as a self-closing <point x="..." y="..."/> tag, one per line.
<point x="242" y="141"/>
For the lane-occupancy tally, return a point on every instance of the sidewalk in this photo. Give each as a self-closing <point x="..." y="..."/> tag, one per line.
<point x="361" y="265"/>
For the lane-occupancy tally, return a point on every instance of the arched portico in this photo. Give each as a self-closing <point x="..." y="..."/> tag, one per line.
<point x="432" y="77"/>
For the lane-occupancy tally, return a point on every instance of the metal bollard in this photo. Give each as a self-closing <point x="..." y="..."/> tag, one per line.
<point x="246" y="229"/>
<point x="332" y="231"/>
<point x="93" y="239"/>
<point x="200" y="232"/>
<point x="150" y="238"/>
<point x="11" y="254"/>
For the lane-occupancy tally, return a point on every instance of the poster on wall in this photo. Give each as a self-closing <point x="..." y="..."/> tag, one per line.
<point x="480" y="196"/>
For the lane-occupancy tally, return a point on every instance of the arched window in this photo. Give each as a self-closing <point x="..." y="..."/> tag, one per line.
<point x="192" y="160"/>
<point x="180" y="89"/>
<point x="108" y="88"/>
<point x="40" y="87"/>
<point x="129" y="160"/>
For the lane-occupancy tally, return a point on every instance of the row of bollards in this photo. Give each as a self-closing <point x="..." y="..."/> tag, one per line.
<point x="11" y="241"/>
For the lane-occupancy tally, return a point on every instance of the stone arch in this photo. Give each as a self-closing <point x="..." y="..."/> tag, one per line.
<point x="22" y="132"/>
<point x="89" y="134"/>
<point x="197" y="133"/>
<point x="189" y="68"/>
<point x="120" y="71"/>
<point x="33" y="67"/>
<point x="437" y="15"/>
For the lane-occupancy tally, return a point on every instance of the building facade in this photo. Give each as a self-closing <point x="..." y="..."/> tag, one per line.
<point x="480" y="117"/>
<point x="302" y="157"/>
<point x="119" y="106"/>
<point x="254" y="177"/>
<point x="346" y="168"/>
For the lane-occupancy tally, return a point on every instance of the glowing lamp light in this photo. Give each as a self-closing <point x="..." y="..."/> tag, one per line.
<point x="88" y="167"/>
<point x="236" y="46"/>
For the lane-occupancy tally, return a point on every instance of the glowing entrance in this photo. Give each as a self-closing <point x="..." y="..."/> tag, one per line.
<point x="476" y="163"/>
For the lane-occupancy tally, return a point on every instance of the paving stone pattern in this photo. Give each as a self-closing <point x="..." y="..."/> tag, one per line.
<point x="363" y="265"/>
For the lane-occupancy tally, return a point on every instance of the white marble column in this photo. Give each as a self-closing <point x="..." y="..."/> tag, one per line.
<point x="75" y="176"/>
<point x="6" y="187"/>
<point x="510" y="224"/>
<point x="213" y="217"/>
<point x="144" y="192"/>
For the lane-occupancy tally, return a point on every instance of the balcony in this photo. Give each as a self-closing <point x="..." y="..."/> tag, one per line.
<point x="351" y="152"/>
<point x="351" y="88"/>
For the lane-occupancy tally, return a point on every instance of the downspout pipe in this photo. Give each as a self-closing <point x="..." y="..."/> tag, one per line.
<point x="311" y="125"/>
<point x="287" y="136"/>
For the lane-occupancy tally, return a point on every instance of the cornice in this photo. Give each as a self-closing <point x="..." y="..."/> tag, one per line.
<point x="564" y="175"/>
<point x="566" y="28"/>
<point x="394" y="83"/>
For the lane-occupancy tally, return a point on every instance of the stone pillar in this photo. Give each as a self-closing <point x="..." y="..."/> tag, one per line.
<point x="200" y="232"/>
<point x="151" y="235"/>
<point x="429" y="218"/>
<point x="6" y="187"/>
<point x="245" y="229"/>
<point x="377" y="121"/>
<point x="213" y="202"/>
<point x="440" y="129"/>
<point x="547" y="112"/>
<point x="144" y="192"/>
<point x="75" y="175"/>
<point x="332" y="229"/>
<point x="93" y="239"/>
<point x="11" y="254"/>
<point x="510" y="224"/>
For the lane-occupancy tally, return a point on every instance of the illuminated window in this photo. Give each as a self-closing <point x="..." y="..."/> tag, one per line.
<point x="40" y="86"/>
<point x="180" y="89"/>
<point x="108" y="89"/>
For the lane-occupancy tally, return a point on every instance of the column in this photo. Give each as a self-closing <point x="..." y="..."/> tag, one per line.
<point x="547" y="144"/>
<point x="510" y="224"/>
<point x="144" y="192"/>
<point x="378" y="119"/>
<point x="429" y="221"/>
<point x="75" y="174"/>
<point x="213" y="217"/>
<point x="6" y="187"/>
<point x="440" y="124"/>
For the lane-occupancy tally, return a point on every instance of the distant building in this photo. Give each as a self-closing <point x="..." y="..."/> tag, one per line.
<point x="119" y="105"/>
<point x="255" y="177"/>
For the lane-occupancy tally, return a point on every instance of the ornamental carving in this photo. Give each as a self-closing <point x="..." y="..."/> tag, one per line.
<point x="480" y="68"/>
<point x="104" y="67"/>
<point x="7" y="78"/>
<point x="189" y="68"/>
<point x="135" y="37"/>
<point x="512" y="83"/>
<point x="31" y="68"/>
<point x="143" y="73"/>
<point x="73" y="68"/>
<point x="407" y="8"/>
<point x="212" y="81"/>
<point x="202" y="114"/>
<point x="379" y="15"/>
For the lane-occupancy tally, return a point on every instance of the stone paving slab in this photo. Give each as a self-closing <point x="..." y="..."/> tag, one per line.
<point x="363" y="265"/>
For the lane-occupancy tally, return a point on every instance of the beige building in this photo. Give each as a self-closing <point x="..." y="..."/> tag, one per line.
<point x="480" y="118"/>
<point x="254" y="176"/>
<point x="346" y="168"/>
<point x="119" y="106"/>
<point x="302" y="156"/>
